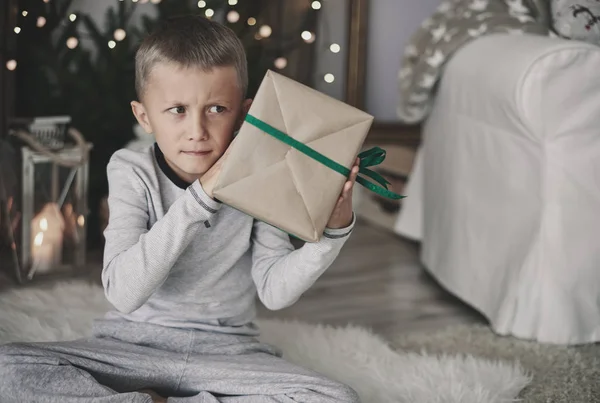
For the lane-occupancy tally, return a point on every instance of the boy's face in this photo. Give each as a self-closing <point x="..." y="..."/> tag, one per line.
<point x="192" y="113"/>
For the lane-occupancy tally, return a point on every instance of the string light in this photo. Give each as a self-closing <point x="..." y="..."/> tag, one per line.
<point x="335" y="48"/>
<point x="120" y="34"/>
<point x="17" y="30"/>
<point x="308" y="37"/>
<point x="72" y="42"/>
<point x="112" y="44"/>
<point x="329" y="78"/>
<point x="24" y="13"/>
<point x="209" y="12"/>
<point x="201" y="4"/>
<point x="316" y="5"/>
<point x="251" y="21"/>
<point x="233" y="16"/>
<point x="11" y="64"/>
<point x="41" y="21"/>
<point x="81" y="219"/>
<point x="265" y="31"/>
<point x="233" y="2"/>
<point x="134" y="1"/>
<point x="73" y="17"/>
<point x="46" y="1"/>
<point x="281" y="63"/>
<point x="155" y="1"/>
<point x="257" y="36"/>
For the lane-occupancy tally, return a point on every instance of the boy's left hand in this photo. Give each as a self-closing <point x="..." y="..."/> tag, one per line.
<point x="342" y="213"/>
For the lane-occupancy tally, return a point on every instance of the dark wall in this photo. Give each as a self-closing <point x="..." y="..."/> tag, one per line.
<point x="8" y="13"/>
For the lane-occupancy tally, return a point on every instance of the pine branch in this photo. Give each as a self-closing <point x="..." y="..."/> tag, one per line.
<point x="99" y="39"/>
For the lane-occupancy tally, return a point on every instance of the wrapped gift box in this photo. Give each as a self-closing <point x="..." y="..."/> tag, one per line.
<point x="287" y="164"/>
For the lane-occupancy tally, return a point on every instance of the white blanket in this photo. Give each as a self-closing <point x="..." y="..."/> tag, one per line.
<point x="349" y="354"/>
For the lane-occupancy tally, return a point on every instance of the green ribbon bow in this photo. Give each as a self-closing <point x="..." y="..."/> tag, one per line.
<point x="368" y="158"/>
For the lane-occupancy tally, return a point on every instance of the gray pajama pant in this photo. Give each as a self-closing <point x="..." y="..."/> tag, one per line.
<point x="189" y="366"/>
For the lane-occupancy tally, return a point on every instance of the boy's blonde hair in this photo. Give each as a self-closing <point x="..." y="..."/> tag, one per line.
<point x="190" y="41"/>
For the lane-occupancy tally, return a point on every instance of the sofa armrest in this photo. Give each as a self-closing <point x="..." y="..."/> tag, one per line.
<point x="540" y="87"/>
<point x="510" y="185"/>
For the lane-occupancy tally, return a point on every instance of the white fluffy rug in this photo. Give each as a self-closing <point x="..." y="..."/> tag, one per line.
<point x="352" y="355"/>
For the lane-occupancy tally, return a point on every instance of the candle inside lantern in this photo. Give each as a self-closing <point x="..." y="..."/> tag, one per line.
<point x="42" y="254"/>
<point x="47" y="243"/>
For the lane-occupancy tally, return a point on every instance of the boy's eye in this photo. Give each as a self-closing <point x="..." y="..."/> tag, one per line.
<point x="217" y="109"/>
<point x="177" y="110"/>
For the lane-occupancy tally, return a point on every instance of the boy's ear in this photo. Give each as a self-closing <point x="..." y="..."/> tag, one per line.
<point x="247" y="105"/>
<point x="245" y="108"/>
<point x="142" y="117"/>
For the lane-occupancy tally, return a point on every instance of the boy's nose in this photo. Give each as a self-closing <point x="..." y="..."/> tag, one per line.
<point x="199" y="131"/>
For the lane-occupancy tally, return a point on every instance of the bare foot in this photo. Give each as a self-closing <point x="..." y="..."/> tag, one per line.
<point x="156" y="398"/>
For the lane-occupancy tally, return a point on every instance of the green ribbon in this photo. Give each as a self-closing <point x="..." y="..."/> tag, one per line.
<point x="368" y="158"/>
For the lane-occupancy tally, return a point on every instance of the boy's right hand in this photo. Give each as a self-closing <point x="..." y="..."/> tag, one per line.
<point x="210" y="177"/>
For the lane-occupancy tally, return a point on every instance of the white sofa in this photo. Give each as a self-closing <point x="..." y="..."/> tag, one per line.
<point x="505" y="194"/>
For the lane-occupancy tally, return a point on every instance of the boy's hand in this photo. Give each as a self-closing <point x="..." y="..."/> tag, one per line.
<point x="209" y="179"/>
<point x="342" y="213"/>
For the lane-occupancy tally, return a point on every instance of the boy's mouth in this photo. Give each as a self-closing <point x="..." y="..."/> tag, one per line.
<point x="196" y="153"/>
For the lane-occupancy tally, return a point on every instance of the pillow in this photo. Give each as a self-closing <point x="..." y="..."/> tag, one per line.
<point x="577" y="19"/>
<point x="540" y="9"/>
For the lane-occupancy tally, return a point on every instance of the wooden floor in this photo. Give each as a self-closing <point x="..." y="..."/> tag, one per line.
<point x="377" y="282"/>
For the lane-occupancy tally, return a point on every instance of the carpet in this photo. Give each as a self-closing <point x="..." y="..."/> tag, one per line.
<point x="353" y="355"/>
<point x="561" y="374"/>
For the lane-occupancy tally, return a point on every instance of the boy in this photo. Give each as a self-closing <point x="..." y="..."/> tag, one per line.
<point x="181" y="269"/>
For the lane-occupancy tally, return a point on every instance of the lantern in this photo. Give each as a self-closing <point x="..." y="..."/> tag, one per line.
<point x="54" y="184"/>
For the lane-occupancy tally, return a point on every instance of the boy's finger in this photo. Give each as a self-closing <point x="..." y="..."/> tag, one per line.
<point x="346" y="190"/>
<point x="353" y="174"/>
<point x="351" y="186"/>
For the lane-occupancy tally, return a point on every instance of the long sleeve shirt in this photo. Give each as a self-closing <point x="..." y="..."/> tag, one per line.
<point x="176" y="257"/>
